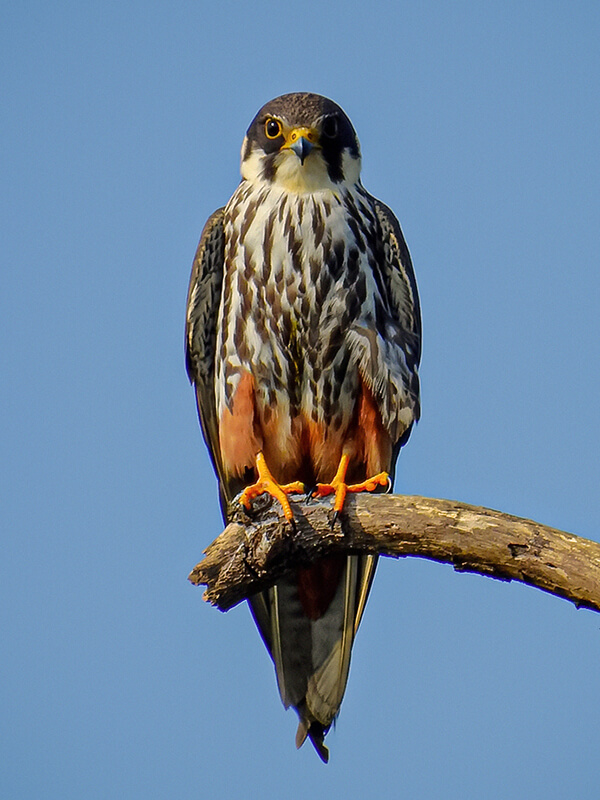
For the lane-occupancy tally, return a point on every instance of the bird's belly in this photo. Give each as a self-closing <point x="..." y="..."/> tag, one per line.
<point x="303" y="441"/>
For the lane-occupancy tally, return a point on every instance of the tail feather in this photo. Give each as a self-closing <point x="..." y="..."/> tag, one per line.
<point x="316" y="733"/>
<point x="312" y="655"/>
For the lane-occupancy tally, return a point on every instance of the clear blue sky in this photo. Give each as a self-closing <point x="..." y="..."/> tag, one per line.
<point x="121" y="125"/>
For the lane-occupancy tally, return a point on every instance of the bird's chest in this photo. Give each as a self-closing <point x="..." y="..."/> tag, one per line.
<point x="296" y="276"/>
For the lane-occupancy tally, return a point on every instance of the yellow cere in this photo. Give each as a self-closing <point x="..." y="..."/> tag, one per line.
<point x="297" y="133"/>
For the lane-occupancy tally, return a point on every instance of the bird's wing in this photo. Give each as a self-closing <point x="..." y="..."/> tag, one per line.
<point x="400" y="284"/>
<point x="204" y="297"/>
<point x="399" y="288"/>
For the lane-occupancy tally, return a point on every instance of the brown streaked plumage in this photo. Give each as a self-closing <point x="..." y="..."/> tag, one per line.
<point x="303" y="340"/>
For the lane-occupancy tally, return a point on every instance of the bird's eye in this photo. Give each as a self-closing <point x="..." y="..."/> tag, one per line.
<point x="272" y="128"/>
<point x="329" y="128"/>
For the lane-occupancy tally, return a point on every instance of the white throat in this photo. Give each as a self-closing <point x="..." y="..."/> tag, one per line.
<point x="300" y="178"/>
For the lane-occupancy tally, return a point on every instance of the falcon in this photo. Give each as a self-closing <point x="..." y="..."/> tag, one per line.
<point x="303" y="341"/>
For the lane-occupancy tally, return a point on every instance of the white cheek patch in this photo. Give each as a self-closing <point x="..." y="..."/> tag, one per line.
<point x="350" y="169"/>
<point x="295" y="177"/>
<point x="252" y="165"/>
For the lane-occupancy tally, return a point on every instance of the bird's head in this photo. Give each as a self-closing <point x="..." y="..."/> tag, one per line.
<point x="302" y="143"/>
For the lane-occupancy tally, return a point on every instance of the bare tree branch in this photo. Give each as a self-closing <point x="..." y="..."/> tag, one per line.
<point x="253" y="552"/>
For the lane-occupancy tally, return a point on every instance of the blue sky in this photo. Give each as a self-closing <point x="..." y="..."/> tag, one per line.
<point x="121" y="128"/>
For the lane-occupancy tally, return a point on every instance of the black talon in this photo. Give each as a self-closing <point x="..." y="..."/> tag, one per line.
<point x="334" y="519"/>
<point x="309" y="493"/>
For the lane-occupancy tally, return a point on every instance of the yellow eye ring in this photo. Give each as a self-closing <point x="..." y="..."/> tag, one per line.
<point x="272" y="128"/>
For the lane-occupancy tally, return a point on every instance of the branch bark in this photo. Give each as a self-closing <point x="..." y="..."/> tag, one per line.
<point x="253" y="552"/>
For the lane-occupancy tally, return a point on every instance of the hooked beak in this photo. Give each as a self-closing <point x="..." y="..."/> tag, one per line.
<point x="302" y="148"/>
<point x="301" y="141"/>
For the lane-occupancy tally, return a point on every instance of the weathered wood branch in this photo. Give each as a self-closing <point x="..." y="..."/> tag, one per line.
<point x="254" y="551"/>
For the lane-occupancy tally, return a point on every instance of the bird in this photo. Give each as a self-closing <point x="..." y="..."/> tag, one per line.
<point x="303" y="342"/>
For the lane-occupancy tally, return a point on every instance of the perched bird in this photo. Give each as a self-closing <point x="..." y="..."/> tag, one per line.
<point x="303" y="340"/>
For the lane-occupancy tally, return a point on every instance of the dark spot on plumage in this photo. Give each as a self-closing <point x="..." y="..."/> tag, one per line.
<point x="268" y="245"/>
<point x="336" y="422"/>
<point x="300" y="210"/>
<point x="374" y="249"/>
<point x="376" y="270"/>
<point x="326" y="247"/>
<point x="281" y="209"/>
<point x="240" y="342"/>
<point x="360" y="287"/>
<point x="275" y="304"/>
<point x="233" y="245"/>
<point x="266" y="270"/>
<point x="351" y="207"/>
<point x="357" y="233"/>
<point x="246" y="297"/>
<point x="234" y="212"/>
<point x="269" y="294"/>
<point x="248" y="264"/>
<point x="325" y="283"/>
<point x="315" y="269"/>
<point x="305" y="307"/>
<point x="291" y="292"/>
<point x="296" y="253"/>
<point x="273" y="332"/>
<point x="352" y="267"/>
<point x="288" y="225"/>
<point x="335" y="262"/>
<point x="326" y="404"/>
<point x="267" y="414"/>
<point x="251" y="209"/>
<point x="286" y="326"/>
<point x="246" y="222"/>
<point x="344" y="319"/>
<point x="365" y="209"/>
<point x="353" y="307"/>
<point x="333" y="346"/>
<point x="318" y="224"/>
<point x="292" y="389"/>
<point x="340" y="369"/>
<point x="380" y="316"/>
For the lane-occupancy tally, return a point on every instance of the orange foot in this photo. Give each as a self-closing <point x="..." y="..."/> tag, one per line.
<point x="340" y="488"/>
<point x="266" y="484"/>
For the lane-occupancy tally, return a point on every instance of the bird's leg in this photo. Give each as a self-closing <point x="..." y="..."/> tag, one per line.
<point x="266" y="484"/>
<point x="340" y="488"/>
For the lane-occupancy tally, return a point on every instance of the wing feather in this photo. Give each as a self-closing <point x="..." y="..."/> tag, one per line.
<point x="204" y="297"/>
<point x="401" y="284"/>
